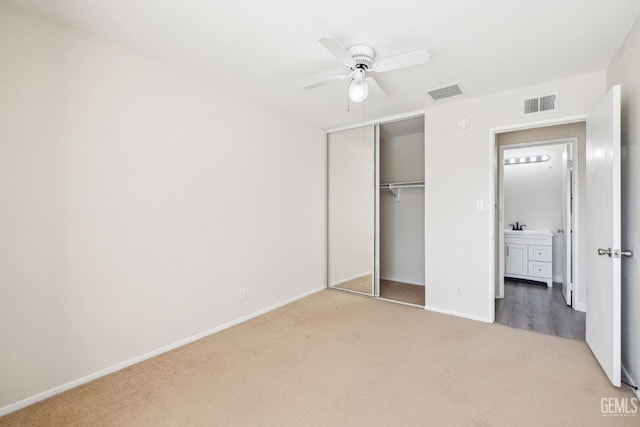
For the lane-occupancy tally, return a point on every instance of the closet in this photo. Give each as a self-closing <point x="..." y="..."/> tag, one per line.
<point x="401" y="210"/>
<point x="376" y="240"/>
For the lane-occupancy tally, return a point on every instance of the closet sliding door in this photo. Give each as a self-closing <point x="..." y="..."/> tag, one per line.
<point x="352" y="195"/>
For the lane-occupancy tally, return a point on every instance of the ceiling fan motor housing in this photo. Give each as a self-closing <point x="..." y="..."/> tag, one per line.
<point x="362" y="55"/>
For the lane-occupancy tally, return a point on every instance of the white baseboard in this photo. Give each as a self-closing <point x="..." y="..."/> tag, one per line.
<point x="627" y="377"/>
<point x="457" y="314"/>
<point x="581" y="306"/>
<point x="396" y="279"/>
<point x="348" y="279"/>
<point x="75" y="383"/>
<point x="558" y="278"/>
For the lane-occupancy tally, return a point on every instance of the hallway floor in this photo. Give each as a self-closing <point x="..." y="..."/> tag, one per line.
<point x="534" y="306"/>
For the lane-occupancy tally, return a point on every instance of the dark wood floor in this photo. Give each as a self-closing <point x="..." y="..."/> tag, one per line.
<point x="538" y="308"/>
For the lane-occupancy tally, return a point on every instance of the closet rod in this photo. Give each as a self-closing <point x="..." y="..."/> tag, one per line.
<point x="396" y="187"/>
<point x="388" y="186"/>
<point x="402" y="183"/>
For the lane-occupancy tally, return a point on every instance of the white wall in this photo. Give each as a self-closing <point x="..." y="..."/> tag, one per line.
<point x="351" y="204"/>
<point x="402" y="222"/>
<point x="134" y="203"/>
<point x="401" y="157"/>
<point x="460" y="166"/>
<point x="625" y="69"/>
<point x="533" y="196"/>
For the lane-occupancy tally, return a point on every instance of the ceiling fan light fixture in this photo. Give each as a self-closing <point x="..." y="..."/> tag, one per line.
<point x="358" y="89"/>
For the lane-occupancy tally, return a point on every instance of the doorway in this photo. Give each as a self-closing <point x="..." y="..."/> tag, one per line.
<point x="402" y="211"/>
<point x="600" y="251"/>
<point x="537" y="230"/>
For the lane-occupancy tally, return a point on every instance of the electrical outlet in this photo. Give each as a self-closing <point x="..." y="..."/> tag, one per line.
<point x="459" y="291"/>
<point x="241" y="292"/>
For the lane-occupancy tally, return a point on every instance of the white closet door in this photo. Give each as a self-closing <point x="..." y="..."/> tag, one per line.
<point x="352" y="190"/>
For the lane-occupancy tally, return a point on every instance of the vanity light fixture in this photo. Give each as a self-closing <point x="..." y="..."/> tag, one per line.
<point x="529" y="159"/>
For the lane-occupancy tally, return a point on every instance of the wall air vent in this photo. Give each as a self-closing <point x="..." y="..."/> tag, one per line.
<point x="540" y="104"/>
<point x="445" y="92"/>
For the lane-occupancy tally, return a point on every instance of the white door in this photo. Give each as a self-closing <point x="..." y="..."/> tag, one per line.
<point x="566" y="222"/>
<point x="603" y="234"/>
<point x="516" y="259"/>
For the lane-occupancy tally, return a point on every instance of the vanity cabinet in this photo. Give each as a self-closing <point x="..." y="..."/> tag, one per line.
<point x="529" y="255"/>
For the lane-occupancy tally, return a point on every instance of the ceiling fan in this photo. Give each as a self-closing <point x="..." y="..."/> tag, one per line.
<point x="360" y="61"/>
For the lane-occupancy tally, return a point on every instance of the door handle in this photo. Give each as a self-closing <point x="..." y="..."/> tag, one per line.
<point x="617" y="253"/>
<point x="605" y="252"/>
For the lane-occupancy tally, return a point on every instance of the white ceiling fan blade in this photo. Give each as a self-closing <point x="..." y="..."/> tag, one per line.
<point x="375" y="87"/>
<point x="322" y="82"/>
<point x="336" y="48"/>
<point x="402" y="61"/>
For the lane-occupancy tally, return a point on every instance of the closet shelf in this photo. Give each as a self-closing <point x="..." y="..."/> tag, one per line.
<point x="395" y="187"/>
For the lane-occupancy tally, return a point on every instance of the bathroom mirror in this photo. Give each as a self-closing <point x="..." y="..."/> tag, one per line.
<point x="351" y="203"/>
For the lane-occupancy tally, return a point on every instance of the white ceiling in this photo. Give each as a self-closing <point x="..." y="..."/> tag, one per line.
<point x="266" y="49"/>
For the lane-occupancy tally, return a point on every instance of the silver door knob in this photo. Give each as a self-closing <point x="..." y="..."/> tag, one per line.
<point x="626" y="253"/>
<point x="605" y="252"/>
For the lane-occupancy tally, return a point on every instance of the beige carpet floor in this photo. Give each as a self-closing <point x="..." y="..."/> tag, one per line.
<point x="339" y="359"/>
<point x="404" y="292"/>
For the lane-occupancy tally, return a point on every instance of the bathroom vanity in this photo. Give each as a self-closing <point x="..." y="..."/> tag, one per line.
<point x="528" y="255"/>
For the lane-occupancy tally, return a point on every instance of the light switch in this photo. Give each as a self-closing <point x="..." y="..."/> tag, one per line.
<point x="480" y="205"/>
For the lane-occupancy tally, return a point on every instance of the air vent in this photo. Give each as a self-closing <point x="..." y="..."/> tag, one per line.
<point x="539" y="105"/>
<point x="445" y="92"/>
<point x="548" y="103"/>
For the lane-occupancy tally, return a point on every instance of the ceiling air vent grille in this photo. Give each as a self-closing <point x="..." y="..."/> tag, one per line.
<point x="540" y="104"/>
<point x="445" y="92"/>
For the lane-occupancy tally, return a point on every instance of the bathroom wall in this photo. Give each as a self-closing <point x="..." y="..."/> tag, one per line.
<point x="533" y="196"/>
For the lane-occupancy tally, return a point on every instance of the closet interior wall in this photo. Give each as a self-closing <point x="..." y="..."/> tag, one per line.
<point x="402" y="253"/>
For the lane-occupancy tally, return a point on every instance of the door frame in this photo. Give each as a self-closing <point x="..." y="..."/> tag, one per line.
<point x="574" y="214"/>
<point x="495" y="249"/>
